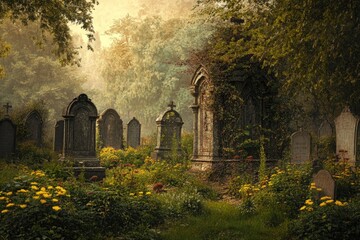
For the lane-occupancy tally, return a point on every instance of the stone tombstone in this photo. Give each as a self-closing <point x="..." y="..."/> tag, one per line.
<point x="300" y="147"/>
<point x="59" y="136"/>
<point x="325" y="181"/>
<point x="206" y="145"/>
<point x="7" y="137"/>
<point x="346" y="133"/>
<point x="169" y="126"/>
<point x="133" y="133"/>
<point x="34" y="127"/>
<point x="80" y="137"/>
<point x="7" y="134"/>
<point x="110" y="128"/>
<point x="325" y="130"/>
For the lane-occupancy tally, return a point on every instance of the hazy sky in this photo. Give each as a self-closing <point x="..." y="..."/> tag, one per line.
<point x="109" y="10"/>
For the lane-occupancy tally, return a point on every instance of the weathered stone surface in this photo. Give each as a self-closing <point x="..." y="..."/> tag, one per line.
<point x="7" y="137"/>
<point x="59" y="136"/>
<point x="346" y="133"/>
<point x="300" y="147"/>
<point x="169" y="126"/>
<point x="110" y="128"/>
<point x="79" y="136"/>
<point x="34" y="128"/>
<point x="325" y="181"/>
<point x="206" y="144"/>
<point x="133" y="133"/>
<point x="325" y="130"/>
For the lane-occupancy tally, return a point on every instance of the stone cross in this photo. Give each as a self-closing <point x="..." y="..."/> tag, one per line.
<point x="7" y="106"/>
<point x="172" y="105"/>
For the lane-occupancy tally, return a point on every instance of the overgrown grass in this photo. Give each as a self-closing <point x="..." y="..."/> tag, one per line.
<point x="220" y="221"/>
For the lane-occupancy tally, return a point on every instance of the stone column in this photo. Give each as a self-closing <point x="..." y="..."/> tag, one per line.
<point x="195" y="109"/>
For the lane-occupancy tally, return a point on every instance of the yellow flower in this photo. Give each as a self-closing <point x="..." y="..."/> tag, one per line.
<point x="148" y="193"/>
<point x="56" y="208"/>
<point x="302" y="208"/>
<point x="141" y="193"/>
<point x="9" y="193"/>
<point x="319" y="189"/>
<point x="132" y="194"/>
<point x="10" y="205"/>
<point x="50" y="187"/>
<point x="34" y="183"/>
<point x="34" y="188"/>
<point x="325" y="198"/>
<point x="329" y="201"/>
<point x="55" y="200"/>
<point x="43" y="189"/>
<point x="5" y="211"/>
<point x="22" y="191"/>
<point x="339" y="203"/>
<point x="36" y="197"/>
<point x="309" y="202"/>
<point x="22" y="205"/>
<point x="42" y="201"/>
<point x="47" y="195"/>
<point x="3" y="198"/>
<point x="322" y="204"/>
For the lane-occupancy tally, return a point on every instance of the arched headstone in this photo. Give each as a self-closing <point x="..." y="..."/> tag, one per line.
<point x="110" y="128"/>
<point x="34" y="128"/>
<point x="59" y="136"/>
<point x="133" y="133"/>
<point x="300" y="147"/>
<point x="7" y="137"/>
<point x="346" y="133"/>
<point x="79" y="137"/>
<point x="169" y="126"/>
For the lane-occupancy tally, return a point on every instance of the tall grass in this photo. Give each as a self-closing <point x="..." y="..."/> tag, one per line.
<point x="222" y="221"/>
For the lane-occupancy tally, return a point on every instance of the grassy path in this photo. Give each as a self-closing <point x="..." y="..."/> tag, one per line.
<point x="222" y="221"/>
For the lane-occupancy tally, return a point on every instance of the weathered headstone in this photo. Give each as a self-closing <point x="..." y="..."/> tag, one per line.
<point x="7" y="137"/>
<point x="300" y="147"/>
<point x="79" y="137"/>
<point x="133" y="133"/>
<point x="7" y="134"/>
<point x="34" y="128"/>
<point x="169" y="126"/>
<point x="59" y="136"/>
<point x="325" y="181"/>
<point x="325" y="130"/>
<point x="346" y="133"/>
<point x="110" y="128"/>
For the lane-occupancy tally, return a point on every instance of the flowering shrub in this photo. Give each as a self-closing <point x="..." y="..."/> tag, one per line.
<point x="326" y="218"/>
<point x="31" y="208"/>
<point x="110" y="157"/>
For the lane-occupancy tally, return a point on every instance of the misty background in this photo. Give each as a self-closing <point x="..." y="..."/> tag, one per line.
<point x="144" y="56"/>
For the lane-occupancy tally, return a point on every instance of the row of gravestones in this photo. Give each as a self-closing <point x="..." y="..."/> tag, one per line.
<point x="75" y="135"/>
<point x="110" y="127"/>
<point x="33" y="131"/>
<point x="346" y="127"/>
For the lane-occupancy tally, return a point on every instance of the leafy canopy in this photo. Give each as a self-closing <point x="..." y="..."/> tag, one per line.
<point x="53" y="17"/>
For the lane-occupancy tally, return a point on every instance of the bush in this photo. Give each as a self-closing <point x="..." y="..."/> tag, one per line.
<point x="110" y="157"/>
<point x="334" y="220"/>
<point x="31" y="155"/>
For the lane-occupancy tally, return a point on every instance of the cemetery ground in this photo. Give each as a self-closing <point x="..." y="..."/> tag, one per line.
<point x="141" y="198"/>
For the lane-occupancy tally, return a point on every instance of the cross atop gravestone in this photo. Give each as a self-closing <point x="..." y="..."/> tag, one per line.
<point x="172" y="105"/>
<point x="7" y="106"/>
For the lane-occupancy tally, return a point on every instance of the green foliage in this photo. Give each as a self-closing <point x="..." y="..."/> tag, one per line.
<point x="290" y="187"/>
<point x="177" y="204"/>
<point x="151" y="63"/>
<point x="34" y="156"/>
<point x="53" y="18"/>
<point x="110" y="157"/>
<point x="330" y="221"/>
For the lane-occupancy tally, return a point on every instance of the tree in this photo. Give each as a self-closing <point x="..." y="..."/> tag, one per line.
<point x="53" y="17"/>
<point x="312" y="46"/>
